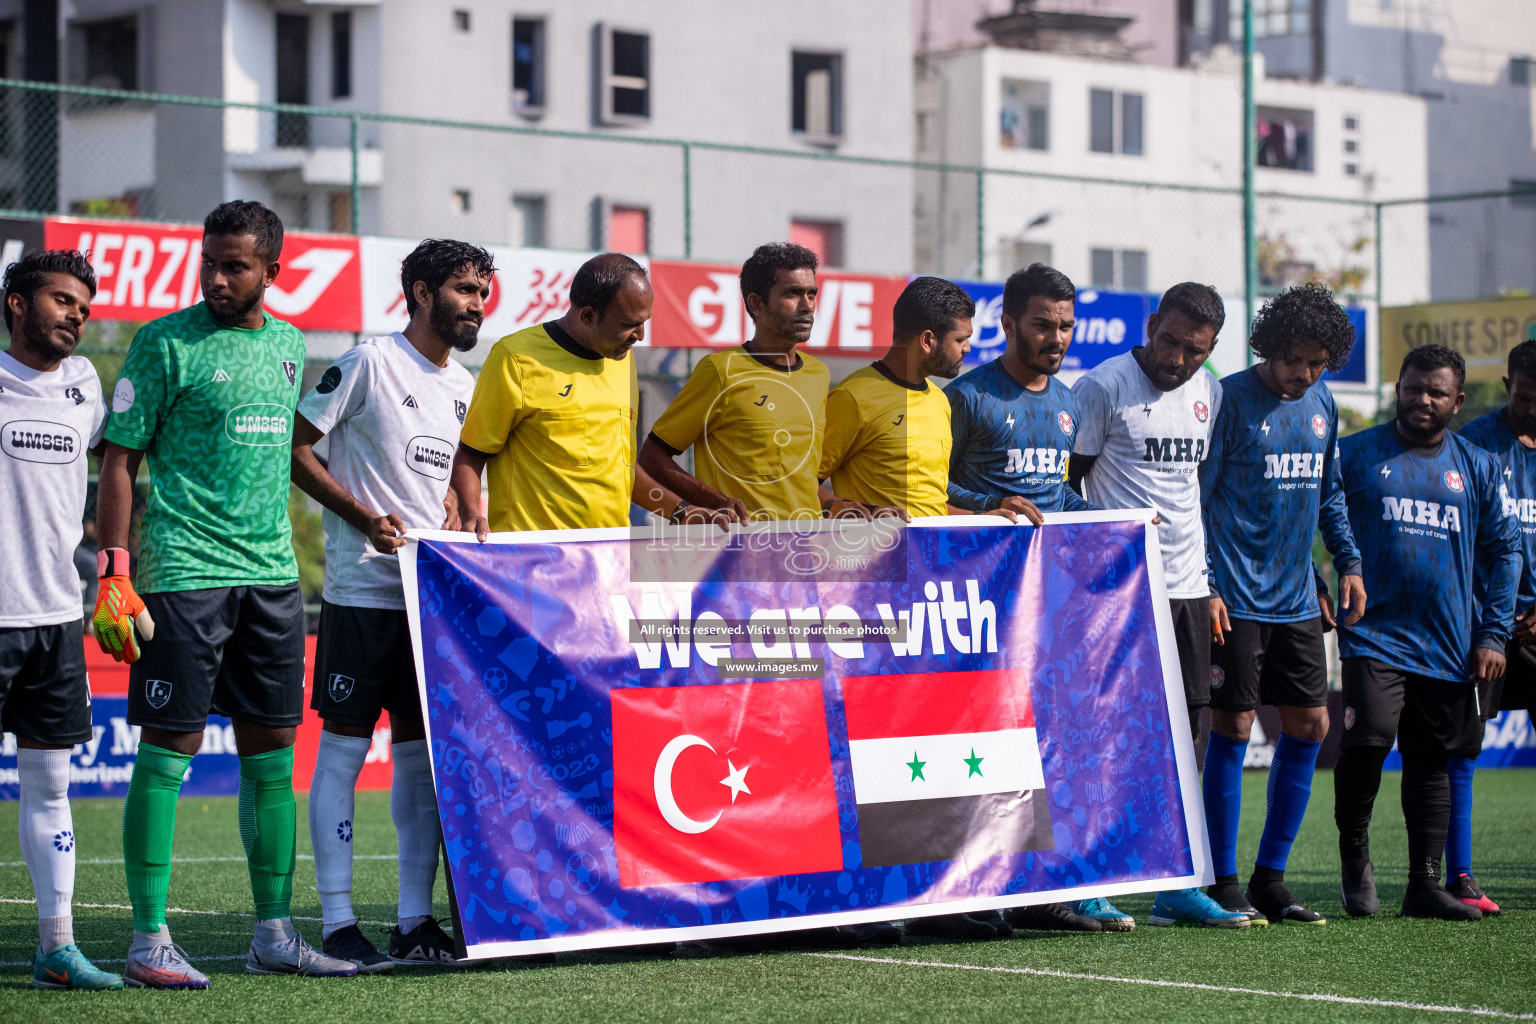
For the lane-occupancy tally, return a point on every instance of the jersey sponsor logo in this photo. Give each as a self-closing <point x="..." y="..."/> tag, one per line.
<point x="1386" y="472"/>
<point x="1218" y="677"/>
<point x="157" y="692"/>
<point x="1009" y="421"/>
<point x="122" y="395"/>
<point x="1174" y="449"/>
<point x="1421" y="513"/>
<point x="1265" y="427"/>
<point x="340" y="687"/>
<point x="1202" y="411"/>
<point x="75" y="394"/>
<point x="1027" y="461"/>
<point x="410" y="402"/>
<point x="260" y="424"/>
<point x="429" y="456"/>
<point x="219" y="376"/>
<point x="459" y="409"/>
<point x="897" y="421"/>
<point x="1293" y="465"/>
<point x="1454" y="482"/>
<point x="1319" y="426"/>
<point x="1064" y="421"/>
<point x="330" y="380"/>
<point x="1523" y="509"/>
<point x="566" y="391"/>
<point x="290" y="370"/>
<point x="40" y="441"/>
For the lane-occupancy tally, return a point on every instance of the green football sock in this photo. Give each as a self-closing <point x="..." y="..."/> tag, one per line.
<point x="268" y="829"/>
<point x="149" y="830"/>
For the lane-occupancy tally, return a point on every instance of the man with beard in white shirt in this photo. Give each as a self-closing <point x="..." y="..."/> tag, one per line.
<point x="392" y="408"/>
<point x="1145" y="422"/>
<point x="52" y="411"/>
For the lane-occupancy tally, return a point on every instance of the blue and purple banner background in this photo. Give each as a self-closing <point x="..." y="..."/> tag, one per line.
<point x="518" y="649"/>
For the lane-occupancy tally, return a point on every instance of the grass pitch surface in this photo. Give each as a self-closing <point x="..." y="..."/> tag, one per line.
<point x="1383" y="969"/>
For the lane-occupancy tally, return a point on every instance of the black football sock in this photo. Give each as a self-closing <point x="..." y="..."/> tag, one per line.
<point x="1427" y="812"/>
<point x="1356" y="780"/>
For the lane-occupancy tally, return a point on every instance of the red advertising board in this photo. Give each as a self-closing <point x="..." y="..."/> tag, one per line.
<point x="699" y="305"/>
<point x="144" y="271"/>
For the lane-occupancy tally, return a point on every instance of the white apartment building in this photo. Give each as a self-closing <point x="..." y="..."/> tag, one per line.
<point x="804" y="76"/>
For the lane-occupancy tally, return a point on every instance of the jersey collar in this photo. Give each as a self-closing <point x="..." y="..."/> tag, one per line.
<point x="560" y="336"/>
<point x="885" y="372"/>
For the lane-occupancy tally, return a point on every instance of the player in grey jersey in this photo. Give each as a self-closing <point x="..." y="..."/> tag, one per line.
<point x="1145" y="425"/>
<point x="52" y="411"/>
<point x="392" y="408"/>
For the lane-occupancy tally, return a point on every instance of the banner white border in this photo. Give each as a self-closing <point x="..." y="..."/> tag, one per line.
<point x="1173" y="689"/>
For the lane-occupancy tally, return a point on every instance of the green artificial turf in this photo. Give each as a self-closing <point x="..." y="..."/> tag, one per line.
<point x="1491" y="964"/>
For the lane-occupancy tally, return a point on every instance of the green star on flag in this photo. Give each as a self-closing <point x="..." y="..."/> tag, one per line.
<point x="917" y="767"/>
<point x="974" y="763"/>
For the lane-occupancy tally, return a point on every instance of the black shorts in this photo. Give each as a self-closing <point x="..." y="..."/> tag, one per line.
<point x="1424" y="715"/>
<point x="44" y="693"/>
<point x="236" y="651"/>
<point x="1275" y="663"/>
<point x="1516" y="691"/>
<point x="1192" y="634"/>
<point x="363" y="665"/>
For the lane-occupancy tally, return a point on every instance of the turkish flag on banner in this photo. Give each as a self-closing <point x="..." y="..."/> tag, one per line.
<point x="721" y="782"/>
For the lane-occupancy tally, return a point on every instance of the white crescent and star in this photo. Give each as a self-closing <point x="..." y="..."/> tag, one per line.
<point x="736" y="780"/>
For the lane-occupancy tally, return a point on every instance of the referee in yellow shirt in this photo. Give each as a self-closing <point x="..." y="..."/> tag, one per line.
<point x="553" y="416"/>
<point x="754" y="414"/>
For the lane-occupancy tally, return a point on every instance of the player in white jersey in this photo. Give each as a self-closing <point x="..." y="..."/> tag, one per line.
<point x="52" y="412"/>
<point x="392" y="408"/>
<point x="1144" y="426"/>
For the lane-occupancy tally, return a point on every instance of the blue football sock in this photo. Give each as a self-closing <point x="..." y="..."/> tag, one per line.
<point x="1223" y="790"/>
<point x="1290" y="786"/>
<point x="1458" y="839"/>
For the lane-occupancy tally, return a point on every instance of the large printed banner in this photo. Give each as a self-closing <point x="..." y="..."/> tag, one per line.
<point x="1108" y="323"/>
<point x="643" y="737"/>
<point x="144" y="271"/>
<point x="699" y="305"/>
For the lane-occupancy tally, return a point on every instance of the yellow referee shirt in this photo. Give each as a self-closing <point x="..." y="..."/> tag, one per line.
<point x="755" y="429"/>
<point x="887" y="443"/>
<point x="558" y="421"/>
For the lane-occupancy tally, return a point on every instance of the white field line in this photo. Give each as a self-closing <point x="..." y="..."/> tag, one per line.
<point x="194" y="860"/>
<point x="1315" y="997"/>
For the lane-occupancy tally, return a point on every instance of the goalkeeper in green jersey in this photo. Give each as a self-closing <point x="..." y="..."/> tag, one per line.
<point x="207" y="396"/>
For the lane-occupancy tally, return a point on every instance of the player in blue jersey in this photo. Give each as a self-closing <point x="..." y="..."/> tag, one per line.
<point x="1013" y="425"/>
<point x="1509" y="434"/>
<point x="1427" y="513"/>
<point x="1270" y="481"/>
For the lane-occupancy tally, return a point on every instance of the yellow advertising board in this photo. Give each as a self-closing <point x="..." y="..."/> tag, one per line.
<point x="1483" y="332"/>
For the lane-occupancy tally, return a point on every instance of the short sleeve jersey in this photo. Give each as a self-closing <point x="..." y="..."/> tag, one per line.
<point x="47" y="421"/>
<point x="1269" y="482"/>
<point x="1010" y="440"/>
<point x="755" y="429"/>
<point x="1428" y="523"/>
<point x="211" y="407"/>
<point x="1149" y="446"/>
<point x="1517" y="463"/>
<point x="887" y="442"/>
<point x="558" y="422"/>
<point x="392" y="417"/>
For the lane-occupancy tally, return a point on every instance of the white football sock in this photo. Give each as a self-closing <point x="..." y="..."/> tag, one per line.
<point x="413" y="805"/>
<point x="47" y="834"/>
<point x="332" y="799"/>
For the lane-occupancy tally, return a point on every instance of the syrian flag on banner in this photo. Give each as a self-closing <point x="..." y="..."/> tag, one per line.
<point x="722" y="782"/>
<point x="946" y="765"/>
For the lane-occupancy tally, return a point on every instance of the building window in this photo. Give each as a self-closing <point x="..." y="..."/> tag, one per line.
<point x="461" y="201"/>
<point x="1026" y="254"/>
<point x="1025" y="115"/>
<point x="292" y="77"/>
<point x="461" y="20"/>
<point x="1351" y="170"/>
<point x="1121" y="269"/>
<point x="625" y="81"/>
<point x="1351" y="146"/>
<point x="106" y="53"/>
<point x="1285" y="139"/>
<point x="816" y="94"/>
<point x="1273" y="18"/>
<point x="822" y="237"/>
<point x="528" y="65"/>
<point x="1108" y="133"/>
<point x="1526" y="193"/>
<point x="629" y="229"/>
<point x="529" y="222"/>
<point x="1351" y="123"/>
<point x="341" y="55"/>
<point x="1522" y="70"/>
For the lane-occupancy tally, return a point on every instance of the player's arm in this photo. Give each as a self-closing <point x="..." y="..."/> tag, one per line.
<point x="1093" y="417"/>
<point x="1211" y="471"/>
<point x="1338" y="537"/>
<point x="464" y="486"/>
<point x="656" y="499"/>
<point x="385" y="532"/>
<point x="840" y="442"/>
<point x="659" y="461"/>
<point x="1498" y="556"/>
